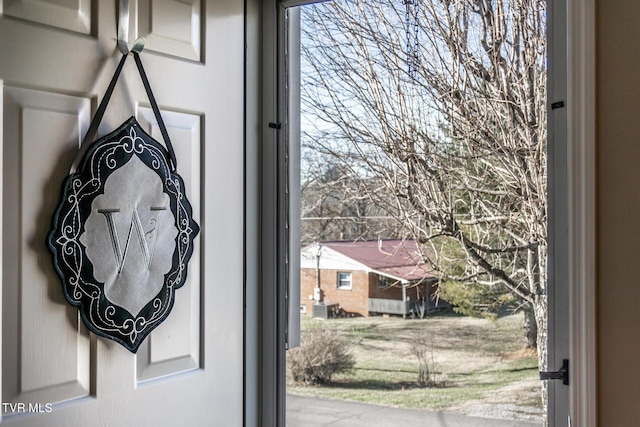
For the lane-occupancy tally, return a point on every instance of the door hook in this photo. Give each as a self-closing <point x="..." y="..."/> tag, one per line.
<point x="123" y="26"/>
<point x="123" y="30"/>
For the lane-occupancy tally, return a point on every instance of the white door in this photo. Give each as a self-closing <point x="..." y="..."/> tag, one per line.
<point x="56" y="59"/>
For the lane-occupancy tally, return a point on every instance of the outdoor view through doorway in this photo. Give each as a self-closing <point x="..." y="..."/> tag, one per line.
<point x="423" y="164"/>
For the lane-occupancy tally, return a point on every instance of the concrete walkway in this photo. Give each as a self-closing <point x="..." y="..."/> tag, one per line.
<point x="316" y="412"/>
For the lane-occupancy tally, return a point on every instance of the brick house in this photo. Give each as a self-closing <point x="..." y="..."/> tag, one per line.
<point x="366" y="277"/>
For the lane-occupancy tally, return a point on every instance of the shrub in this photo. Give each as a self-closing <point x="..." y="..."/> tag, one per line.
<point x="422" y="348"/>
<point x="321" y="354"/>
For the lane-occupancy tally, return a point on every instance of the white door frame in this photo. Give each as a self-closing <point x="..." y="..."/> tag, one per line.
<point x="581" y="113"/>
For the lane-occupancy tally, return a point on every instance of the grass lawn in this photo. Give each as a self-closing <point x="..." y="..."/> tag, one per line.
<point x="479" y="365"/>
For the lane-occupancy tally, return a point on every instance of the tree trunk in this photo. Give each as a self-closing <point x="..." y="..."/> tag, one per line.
<point x="530" y="327"/>
<point x="540" y="309"/>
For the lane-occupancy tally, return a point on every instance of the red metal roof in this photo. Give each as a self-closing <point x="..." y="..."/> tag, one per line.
<point x="397" y="258"/>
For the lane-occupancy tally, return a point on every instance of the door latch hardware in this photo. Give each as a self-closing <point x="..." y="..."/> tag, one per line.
<point x="561" y="374"/>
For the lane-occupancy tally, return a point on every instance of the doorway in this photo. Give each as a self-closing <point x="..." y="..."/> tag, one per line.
<point x="405" y="104"/>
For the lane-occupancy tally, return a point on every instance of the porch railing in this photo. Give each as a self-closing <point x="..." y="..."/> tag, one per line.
<point x="389" y="306"/>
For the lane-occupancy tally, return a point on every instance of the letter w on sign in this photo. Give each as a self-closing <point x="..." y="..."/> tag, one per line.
<point x="142" y="234"/>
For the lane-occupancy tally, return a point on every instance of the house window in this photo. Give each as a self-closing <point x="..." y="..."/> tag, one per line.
<point x="344" y="280"/>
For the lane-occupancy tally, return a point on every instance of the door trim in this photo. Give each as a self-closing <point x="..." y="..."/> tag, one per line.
<point x="581" y="30"/>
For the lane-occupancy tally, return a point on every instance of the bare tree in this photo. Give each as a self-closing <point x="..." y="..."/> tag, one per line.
<point x="448" y="138"/>
<point x="335" y="208"/>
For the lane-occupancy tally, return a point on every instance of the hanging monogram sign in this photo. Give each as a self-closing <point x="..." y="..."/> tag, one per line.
<point x="123" y="232"/>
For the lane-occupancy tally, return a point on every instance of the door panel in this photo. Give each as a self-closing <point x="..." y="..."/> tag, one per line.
<point x="174" y="346"/>
<point x="189" y="371"/>
<point x="39" y="128"/>
<point x="171" y="27"/>
<point x="70" y="15"/>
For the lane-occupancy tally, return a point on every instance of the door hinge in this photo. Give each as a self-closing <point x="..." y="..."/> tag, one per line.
<point x="561" y="374"/>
